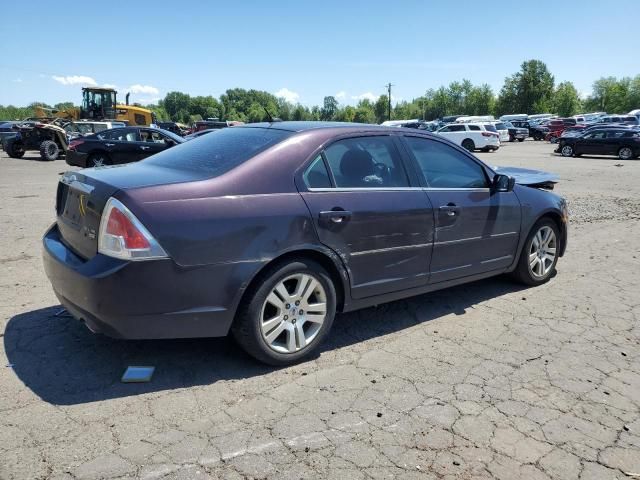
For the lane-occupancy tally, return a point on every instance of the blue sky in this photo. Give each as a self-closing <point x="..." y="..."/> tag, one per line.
<point x="304" y="50"/>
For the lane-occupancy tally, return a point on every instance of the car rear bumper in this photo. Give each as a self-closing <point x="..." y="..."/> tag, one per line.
<point x="139" y="300"/>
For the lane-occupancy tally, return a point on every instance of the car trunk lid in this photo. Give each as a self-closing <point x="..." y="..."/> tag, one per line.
<point x="82" y="195"/>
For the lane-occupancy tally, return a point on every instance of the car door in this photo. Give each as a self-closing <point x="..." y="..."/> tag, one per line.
<point x="365" y="209"/>
<point x="118" y="143"/>
<point x="594" y="143"/>
<point x="476" y="229"/>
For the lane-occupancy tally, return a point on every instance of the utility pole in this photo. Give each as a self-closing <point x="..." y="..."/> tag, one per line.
<point x="389" y="85"/>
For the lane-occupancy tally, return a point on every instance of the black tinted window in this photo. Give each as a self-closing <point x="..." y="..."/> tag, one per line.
<point x="316" y="175"/>
<point x="445" y="167"/>
<point x="456" y="128"/>
<point x="366" y="162"/>
<point x="120" y="135"/>
<point x="490" y="128"/>
<point x="474" y="127"/>
<point x="216" y="154"/>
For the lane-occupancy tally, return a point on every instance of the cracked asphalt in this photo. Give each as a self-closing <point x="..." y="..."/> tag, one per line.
<point x="484" y="381"/>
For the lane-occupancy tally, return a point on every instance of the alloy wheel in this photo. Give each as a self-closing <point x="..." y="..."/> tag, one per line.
<point x="625" y="153"/>
<point x="98" y="161"/>
<point x="293" y="313"/>
<point x="542" y="252"/>
<point x="567" y="151"/>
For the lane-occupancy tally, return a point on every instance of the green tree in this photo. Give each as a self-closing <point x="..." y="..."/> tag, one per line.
<point x="365" y="112"/>
<point x="566" y="101"/>
<point x="329" y="108"/>
<point x="177" y="106"/>
<point x="380" y="108"/>
<point x="528" y="91"/>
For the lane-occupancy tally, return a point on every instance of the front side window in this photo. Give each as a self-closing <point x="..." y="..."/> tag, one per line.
<point x="366" y="162"/>
<point x="457" y="128"/>
<point x="444" y="166"/>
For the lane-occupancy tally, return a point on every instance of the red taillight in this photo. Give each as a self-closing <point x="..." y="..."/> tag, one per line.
<point x="123" y="236"/>
<point x="74" y="143"/>
<point x="119" y="225"/>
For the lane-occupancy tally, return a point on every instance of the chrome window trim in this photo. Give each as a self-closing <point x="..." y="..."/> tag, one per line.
<point x="399" y="189"/>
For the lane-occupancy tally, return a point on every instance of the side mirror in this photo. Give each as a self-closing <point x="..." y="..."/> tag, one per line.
<point x="503" y="183"/>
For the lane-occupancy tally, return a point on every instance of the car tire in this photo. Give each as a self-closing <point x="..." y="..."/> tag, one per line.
<point x="566" y="151"/>
<point x="274" y="334"/>
<point x="553" y="139"/>
<point x="536" y="270"/>
<point x="521" y="139"/>
<point x="14" y="149"/>
<point x="512" y="138"/>
<point x="98" y="159"/>
<point x="625" y="153"/>
<point x="49" y="150"/>
<point x="468" y="144"/>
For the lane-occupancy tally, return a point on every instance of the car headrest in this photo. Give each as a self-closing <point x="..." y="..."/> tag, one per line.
<point x="357" y="164"/>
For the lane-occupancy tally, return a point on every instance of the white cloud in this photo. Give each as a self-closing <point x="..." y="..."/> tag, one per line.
<point x="288" y="95"/>
<point x="75" y="80"/>
<point x="146" y="89"/>
<point x="110" y="85"/>
<point x="366" y="96"/>
<point x="148" y="100"/>
<point x="341" y="94"/>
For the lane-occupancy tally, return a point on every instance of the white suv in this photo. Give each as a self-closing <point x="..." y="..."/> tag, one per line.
<point x="472" y="136"/>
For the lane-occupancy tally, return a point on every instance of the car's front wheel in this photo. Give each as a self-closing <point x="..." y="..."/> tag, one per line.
<point x="49" y="150"/>
<point x="99" y="159"/>
<point x="567" y="151"/>
<point x="15" y="149"/>
<point x="285" y="318"/>
<point x="540" y="254"/>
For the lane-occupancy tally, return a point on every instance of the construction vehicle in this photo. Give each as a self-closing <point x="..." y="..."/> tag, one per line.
<point x="101" y="104"/>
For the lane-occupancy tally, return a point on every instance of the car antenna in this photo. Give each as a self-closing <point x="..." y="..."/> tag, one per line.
<point x="271" y="119"/>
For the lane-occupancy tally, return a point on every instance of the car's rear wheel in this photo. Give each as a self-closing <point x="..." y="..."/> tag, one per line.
<point x="49" y="150"/>
<point x="539" y="255"/>
<point x="287" y="315"/>
<point x="99" y="159"/>
<point x="625" y="153"/>
<point x="14" y="149"/>
<point x="553" y="138"/>
<point x="468" y="144"/>
<point x="567" y="151"/>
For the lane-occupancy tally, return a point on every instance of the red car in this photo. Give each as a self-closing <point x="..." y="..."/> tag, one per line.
<point x="557" y="126"/>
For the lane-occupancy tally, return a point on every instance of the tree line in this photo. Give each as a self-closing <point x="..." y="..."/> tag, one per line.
<point x="530" y="90"/>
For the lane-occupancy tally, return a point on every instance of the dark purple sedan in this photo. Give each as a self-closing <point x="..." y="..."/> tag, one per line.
<point x="266" y="230"/>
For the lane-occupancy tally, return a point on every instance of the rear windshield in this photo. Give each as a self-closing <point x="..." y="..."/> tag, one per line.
<point x="501" y="126"/>
<point x="214" y="155"/>
<point x="490" y="128"/>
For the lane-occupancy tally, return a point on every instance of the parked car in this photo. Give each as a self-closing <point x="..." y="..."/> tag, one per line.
<point x="621" y="119"/>
<point x="174" y="127"/>
<point x="214" y="124"/>
<point x="556" y="127"/>
<point x="516" y="133"/>
<point x="472" y="136"/>
<point x="119" y="145"/>
<point x="503" y="131"/>
<point x="266" y="230"/>
<point x="622" y="142"/>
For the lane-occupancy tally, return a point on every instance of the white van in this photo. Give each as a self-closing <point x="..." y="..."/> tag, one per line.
<point x="515" y="116"/>
<point x="472" y="136"/>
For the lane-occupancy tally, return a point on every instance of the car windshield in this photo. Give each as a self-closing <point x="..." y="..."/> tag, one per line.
<point x="214" y="155"/>
<point x="490" y="128"/>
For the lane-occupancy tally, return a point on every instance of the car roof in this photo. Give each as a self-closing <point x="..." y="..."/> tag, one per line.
<point x="306" y="125"/>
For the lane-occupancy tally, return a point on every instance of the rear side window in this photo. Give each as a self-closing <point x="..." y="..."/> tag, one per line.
<point x="474" y="127"/>
<point x="366" y="162"/>
<point x="317" y="175"/>
<point x="214" y="155"/>
<point x="445" y="167"/>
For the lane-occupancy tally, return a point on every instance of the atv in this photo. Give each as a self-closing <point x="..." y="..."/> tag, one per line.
<point x="46" y="135"/>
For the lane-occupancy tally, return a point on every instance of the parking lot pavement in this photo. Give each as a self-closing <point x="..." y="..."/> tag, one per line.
<point x="485" y="381"/>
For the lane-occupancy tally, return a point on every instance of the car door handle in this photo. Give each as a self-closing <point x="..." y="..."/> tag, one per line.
<point x="451" y="209"/>
<point x="109" y="144"/>
<point x="335" y="216"/>
<point x="144" y="148"/>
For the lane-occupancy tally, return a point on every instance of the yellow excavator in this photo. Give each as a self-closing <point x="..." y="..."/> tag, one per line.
<point x="100" y="104"/>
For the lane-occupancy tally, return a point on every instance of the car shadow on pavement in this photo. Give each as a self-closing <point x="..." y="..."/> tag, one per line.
<point x="63" y="363"/>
